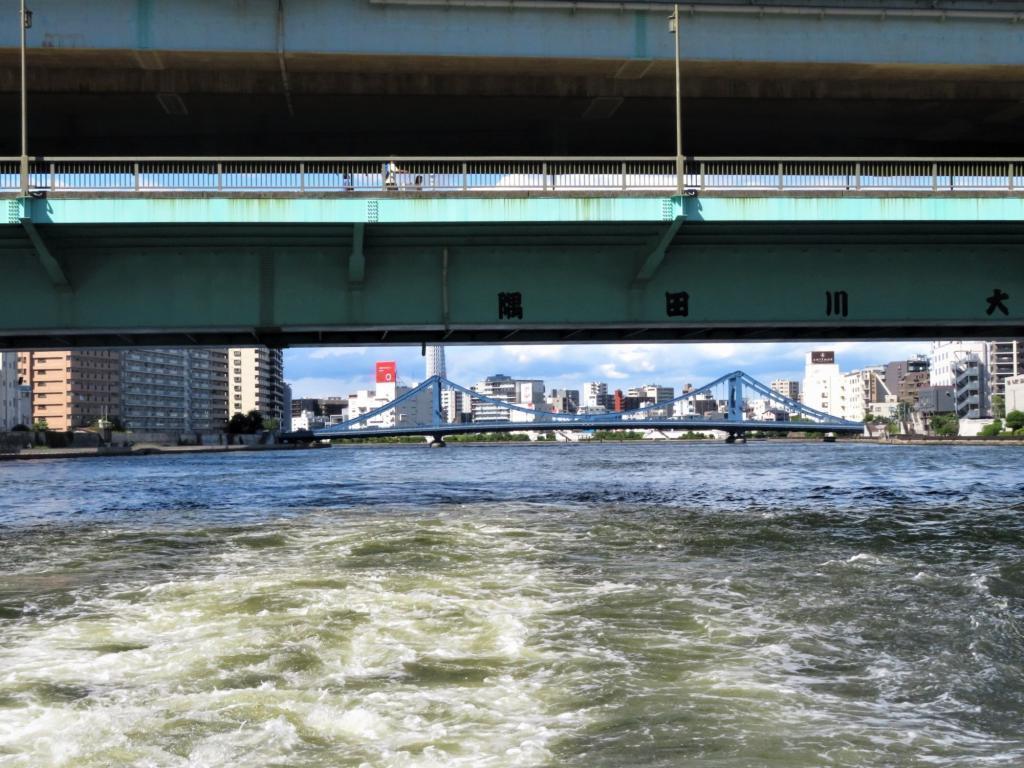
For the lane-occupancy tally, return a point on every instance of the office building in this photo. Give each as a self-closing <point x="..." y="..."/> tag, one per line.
<point x="906" y="378"/>
<point x="651" y="394"/>
<point x="72" y="388"/>
<point x="416" y="411"/>
<point x="334" y="409"/>
<point x="306" y="405"/>
<point x="932" y="399"/>
<point x="527" y="393"/>
<point x="563" y="400"/>
<point x="306" y="420"/>
<point x="256" y="382"/>
<point x="624" y="402"/>
<point x="823" y="384"/>
<point x="286" y="407"/>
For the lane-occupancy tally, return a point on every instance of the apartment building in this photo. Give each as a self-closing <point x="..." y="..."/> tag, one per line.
<point x="72" y="388"/>
<point x="256" y="381"/>
<point x="178" y="390"/>
<point x="862" y="390"/>
<point x="787" y="388"/>
<point x="906" y="378"/>
<point x="1005" y="360"/>
<point x="963" y="365"/>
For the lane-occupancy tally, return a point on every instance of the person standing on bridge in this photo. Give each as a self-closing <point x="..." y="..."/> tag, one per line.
<point x="391" y="171"/>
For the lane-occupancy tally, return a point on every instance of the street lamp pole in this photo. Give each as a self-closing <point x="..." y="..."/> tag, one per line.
<point x="679" y="107"/>
<point x="26" y="21"/>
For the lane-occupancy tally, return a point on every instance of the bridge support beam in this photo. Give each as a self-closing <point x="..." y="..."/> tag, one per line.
<point x="356" y="270"/>
<point x="652" y="261"/>
<point x="49" y="262"/>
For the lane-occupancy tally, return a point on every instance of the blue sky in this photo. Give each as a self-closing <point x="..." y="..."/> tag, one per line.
<point x="324" y="371"/>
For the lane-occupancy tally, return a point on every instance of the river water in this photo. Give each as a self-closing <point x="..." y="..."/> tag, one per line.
<point x="582" y="605"/>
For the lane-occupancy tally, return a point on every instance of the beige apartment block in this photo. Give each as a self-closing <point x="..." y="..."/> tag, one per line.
<point x="256" y="381"/>
<point x="72" y="388"/>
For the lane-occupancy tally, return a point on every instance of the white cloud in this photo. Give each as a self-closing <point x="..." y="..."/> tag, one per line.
<point x="322" y="353"/>
<point x="609" y="371"/>
<point x="340" y="370"/>
<point x="323" y="386"/>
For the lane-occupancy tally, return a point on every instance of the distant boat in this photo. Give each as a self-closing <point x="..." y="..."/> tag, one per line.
<point x="830" y="437"/>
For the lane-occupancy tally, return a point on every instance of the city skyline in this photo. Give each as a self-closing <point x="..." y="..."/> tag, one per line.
<point x="326" y="371"/>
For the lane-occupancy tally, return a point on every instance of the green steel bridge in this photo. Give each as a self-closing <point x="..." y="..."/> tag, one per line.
<point x="283" y="251"/>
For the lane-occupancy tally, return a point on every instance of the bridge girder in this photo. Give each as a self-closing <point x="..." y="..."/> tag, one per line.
<point x="477" y="270"/>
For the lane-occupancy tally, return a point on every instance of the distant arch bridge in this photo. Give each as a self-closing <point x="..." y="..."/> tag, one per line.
<point x="422" y="411"/>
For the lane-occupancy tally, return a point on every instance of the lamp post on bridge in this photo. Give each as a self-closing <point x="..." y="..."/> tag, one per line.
<point x="25" y="17"/>
<point x="673" y="26"/>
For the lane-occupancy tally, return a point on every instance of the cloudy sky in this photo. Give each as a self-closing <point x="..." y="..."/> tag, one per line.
<point x="320" y="372"/>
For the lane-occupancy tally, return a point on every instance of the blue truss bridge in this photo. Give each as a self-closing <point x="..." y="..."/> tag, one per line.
<point x="735" y="403"/>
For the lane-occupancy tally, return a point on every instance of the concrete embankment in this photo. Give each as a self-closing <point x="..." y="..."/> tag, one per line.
<point x="138" y="450"/>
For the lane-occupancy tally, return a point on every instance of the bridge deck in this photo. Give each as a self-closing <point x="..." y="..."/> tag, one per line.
<point x="671" y="425"/>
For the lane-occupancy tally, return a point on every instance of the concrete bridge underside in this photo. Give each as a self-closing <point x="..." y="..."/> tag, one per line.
<point x="358" y="269"/>
<point x="371" y="77"/>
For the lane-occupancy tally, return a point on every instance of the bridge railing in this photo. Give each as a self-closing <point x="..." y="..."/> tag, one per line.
<point x="157" y="175"/>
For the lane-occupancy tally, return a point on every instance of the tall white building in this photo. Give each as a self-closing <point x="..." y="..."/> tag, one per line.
<point x="593" y="394"/>
<point x="256" y="381"/>
<point x="435" y="361"/>
<point x="417" y="411"/>
<point x="823" y="384"/>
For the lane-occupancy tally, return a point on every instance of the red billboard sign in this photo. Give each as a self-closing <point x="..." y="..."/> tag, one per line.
<point x="819" y="358"/>
<point x="387" y="372"/>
